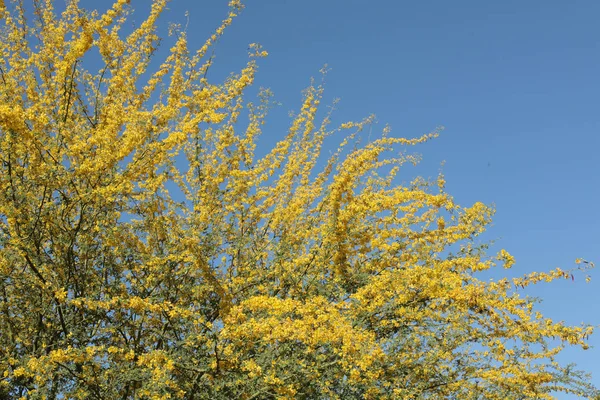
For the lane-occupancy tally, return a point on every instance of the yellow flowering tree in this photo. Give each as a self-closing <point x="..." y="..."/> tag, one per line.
<point x="146" y="252"/>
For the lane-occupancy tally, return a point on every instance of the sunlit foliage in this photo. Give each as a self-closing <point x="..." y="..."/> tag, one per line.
<point x="147" y="252"/>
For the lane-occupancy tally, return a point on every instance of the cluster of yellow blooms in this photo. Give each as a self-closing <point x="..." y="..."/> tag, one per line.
<point x="125" y="275"/>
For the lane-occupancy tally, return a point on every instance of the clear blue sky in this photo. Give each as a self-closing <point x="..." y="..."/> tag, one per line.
<point x="515" y="83"/>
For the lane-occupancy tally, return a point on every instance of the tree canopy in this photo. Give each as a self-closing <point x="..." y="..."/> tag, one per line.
<point x="147" y="252"/>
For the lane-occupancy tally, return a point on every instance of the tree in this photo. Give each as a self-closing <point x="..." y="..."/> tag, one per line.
<point x="146" y="252"/>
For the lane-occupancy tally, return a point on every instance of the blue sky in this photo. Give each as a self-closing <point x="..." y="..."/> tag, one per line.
<point x="515" y="84"/>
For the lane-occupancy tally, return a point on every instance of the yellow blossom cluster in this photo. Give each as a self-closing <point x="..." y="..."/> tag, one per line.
<point x="148" y="252"/>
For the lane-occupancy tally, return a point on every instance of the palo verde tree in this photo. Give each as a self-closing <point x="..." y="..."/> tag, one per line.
<point x="147" y="253"/>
